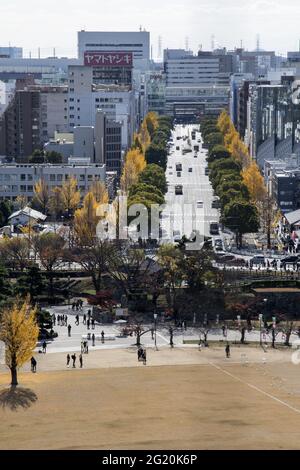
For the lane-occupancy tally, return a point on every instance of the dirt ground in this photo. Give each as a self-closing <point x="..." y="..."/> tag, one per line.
<point x="200" y="402"/>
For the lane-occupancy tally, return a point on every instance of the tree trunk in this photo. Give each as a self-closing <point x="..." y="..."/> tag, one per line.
<point x="240" y="240"/>
<point x="14" y="379"/>
<point x="243" y="336"/>
<point x="269" y="237"/>
<point x="96" y="283"/>
<point x="237" y="239"/>
<point x="287" y="338"/>
<point x="51" y="275"/>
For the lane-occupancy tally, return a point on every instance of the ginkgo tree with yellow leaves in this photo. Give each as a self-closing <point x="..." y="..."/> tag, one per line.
<point x="85" y="221"/>
<point x="70" y="195"/>
<point x="254" y="181"/>
<point x="134" y="164"/>
<point x="42" y="195"/>
<point x="19" y="332"/>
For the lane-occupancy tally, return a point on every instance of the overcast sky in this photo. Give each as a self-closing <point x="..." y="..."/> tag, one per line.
<point x="34" y="23"/>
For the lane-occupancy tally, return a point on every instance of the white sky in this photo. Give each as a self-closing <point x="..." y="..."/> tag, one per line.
<point x="54" y="23"/>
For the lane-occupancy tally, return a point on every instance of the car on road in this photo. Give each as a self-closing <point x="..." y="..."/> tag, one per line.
<point x="289" y="260"/>
<point x="177" y="235"/>
<point x="178" y="190"/>
<point x="178" y="166"/>
<point x="218" y="245"/>
<point x="216" y="203"/>
<point x="258" y="260"/>
<point x="206" y="171"/>
<point x="178" y="148"/>
<point x="190" y="170"/>
<point x="199" y="204"/>
<point x="178" y="174"/>
<point x="195" y="156"/>
<point x="221" y="258"/>
<point x="214" y="228"/>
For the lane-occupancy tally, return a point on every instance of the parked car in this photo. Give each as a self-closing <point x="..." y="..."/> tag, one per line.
<point x="224" y="258"/>
<point x="289" y="260"/>
<point x="258" y="260"/>
<point x="214" y="228"/>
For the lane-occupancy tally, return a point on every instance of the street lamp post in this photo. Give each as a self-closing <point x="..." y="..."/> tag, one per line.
<point x="155" y="318"/>
<point x="260" y="326"/>
<point x="273" y="331"/>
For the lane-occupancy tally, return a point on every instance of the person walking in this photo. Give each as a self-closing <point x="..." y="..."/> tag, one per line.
<point x="93" y="323"/>
<point x="58" y="320"/>
<point x="33" y="364"/>
<point x="171" y="337"/>
<point x="44" y="347"/>
<point x="102" y="336"/>
<point x="84" y="319"/>
<point x="152" y="333"/>
<point x="144" y="357"/>
<point x="69" y="330"/>
<point x="88" y="323"/>
<point x="89" y="314"/>
<point x="74" y="360"/>
<point x="227" y="350"/>
<point x="93" y="339"/>
<point x="68" y="360"/>
<point x="80" y="361"/>
<point x="77" y="320"/>
<point x="66" y="320"/>
<point x="53" y="319"/>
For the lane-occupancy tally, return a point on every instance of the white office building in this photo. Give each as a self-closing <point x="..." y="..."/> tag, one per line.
<point x="86" y="98"/>
<point x="137" y="42"/>
<point x="17" y="179"/>
<point x="182" y="68"/>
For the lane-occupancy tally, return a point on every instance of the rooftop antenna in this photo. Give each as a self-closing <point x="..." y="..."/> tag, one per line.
<point x="54" y="52"/>
<point x="29" y="54"/>
<point x="186" y="43"/>
<point x="241" y="44"/>
<point x="39" y="53"/>
<point x="141" y="29"/>
<point x="213" y="42"/>
<point x="299" y="45"/>
<point x="258" y="42"/>
<point x="151" y="52"/>
<point x="159" y="47"/>
<point x="200" y="47"/>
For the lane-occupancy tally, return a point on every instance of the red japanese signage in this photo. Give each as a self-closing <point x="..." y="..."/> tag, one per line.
<point x="108" y="59"/>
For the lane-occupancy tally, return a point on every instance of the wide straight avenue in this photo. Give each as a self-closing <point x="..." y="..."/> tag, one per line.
<point x="190" y="195"/>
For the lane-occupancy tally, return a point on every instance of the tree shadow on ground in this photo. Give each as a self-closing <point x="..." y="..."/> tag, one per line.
<point x="17" y="397"/>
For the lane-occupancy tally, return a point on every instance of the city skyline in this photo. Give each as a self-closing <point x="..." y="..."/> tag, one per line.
<point x="202" y="22"/>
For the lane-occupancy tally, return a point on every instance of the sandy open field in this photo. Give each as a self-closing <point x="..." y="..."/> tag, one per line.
<point x="200" y="402"/>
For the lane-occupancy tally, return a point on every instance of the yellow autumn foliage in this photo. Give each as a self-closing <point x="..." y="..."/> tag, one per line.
<point x="134" y="164"/>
